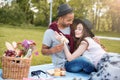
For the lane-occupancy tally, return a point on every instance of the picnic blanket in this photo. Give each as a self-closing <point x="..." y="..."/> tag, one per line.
<point x="45" y="67"/>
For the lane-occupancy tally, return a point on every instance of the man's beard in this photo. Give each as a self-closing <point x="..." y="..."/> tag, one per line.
<point x="65" y="25"/>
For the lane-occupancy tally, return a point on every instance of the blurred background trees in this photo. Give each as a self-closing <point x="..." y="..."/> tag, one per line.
<point x="104" y="14"/>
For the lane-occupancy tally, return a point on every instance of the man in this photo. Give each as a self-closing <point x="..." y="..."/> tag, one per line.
<point x="50" y="45"/>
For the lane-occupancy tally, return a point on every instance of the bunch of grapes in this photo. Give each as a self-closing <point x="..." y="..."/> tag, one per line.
<point x="10" y="53"/>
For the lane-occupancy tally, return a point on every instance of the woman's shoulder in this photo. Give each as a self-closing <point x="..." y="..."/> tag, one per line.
<point x="84" y="42"/>
<point x="88" y="39"/>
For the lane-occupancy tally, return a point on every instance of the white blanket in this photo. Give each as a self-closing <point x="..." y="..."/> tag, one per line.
<point x="45" y="67"/>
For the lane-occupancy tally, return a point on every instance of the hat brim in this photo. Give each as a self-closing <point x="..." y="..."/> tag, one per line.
<point x="65" y="12"/>
<point x="88" y="23"/>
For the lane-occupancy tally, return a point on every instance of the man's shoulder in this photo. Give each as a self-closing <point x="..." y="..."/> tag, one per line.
<point x="49" y="31"/>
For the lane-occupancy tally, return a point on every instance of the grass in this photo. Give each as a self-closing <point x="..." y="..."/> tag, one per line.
<point x="111" y="45"/>
<point x="19" y="33"/>
<point x="109" y="34"/>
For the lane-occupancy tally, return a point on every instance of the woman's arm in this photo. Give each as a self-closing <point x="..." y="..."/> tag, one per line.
<point x="70" y="56"/>
<point x="78" y="52"/>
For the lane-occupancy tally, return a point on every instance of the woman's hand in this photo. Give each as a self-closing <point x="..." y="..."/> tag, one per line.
<point x="58" y="36"/>
<point x="61" y="38"/>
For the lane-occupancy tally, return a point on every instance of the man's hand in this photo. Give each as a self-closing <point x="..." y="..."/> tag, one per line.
<point x="96" y="40"/>
<point x="57" y="48"/>
<point x="48" y="51"/>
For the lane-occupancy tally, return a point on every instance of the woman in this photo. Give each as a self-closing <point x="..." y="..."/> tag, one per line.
<point x="78" y="64"/>
<point x="107" y="65"/>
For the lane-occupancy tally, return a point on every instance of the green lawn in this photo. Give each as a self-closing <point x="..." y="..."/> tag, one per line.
<point x="110" y="34"/>
<point x="111" y="45"/>
<point x="19" y="33"/>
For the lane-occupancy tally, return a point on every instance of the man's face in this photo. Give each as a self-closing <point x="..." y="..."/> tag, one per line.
<point x="67" y="20"/>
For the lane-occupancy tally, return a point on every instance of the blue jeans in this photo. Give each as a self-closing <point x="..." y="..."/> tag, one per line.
<point x="80" y="64"/>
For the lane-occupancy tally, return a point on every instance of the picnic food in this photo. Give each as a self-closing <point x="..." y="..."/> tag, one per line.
<point x="60" y="37"/>
<point x="21" y="49"/>
<point x="16" y="59"/>
<point x="57" y="72"/>
<point x="63" y="72"/>
<point x="10" y="53"/>
<point x="64" y="39"/>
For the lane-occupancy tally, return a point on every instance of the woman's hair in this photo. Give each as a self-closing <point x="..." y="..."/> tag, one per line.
<point x="86" y="31"/>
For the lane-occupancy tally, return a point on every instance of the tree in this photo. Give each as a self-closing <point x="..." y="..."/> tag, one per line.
<point x="12" y="15"/>
<point x="44" y="10"/>
<point x="114" y="14"/>
<point x="84" y="9"/>
<point x="25" y="7"/>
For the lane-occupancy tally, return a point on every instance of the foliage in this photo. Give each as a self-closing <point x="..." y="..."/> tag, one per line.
<point x="43" y="14"/>
<point x="18" y="13"/>
<point x="25" y="7"/>
<point x="44" y="11"/>
<point x="81" y="8"/>
<point x="104" y="15"/>
<point x="12" y="16"/>
<point x="114" y="14"/>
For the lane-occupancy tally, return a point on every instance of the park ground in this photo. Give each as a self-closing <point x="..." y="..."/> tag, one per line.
<point x="19" y="33"/>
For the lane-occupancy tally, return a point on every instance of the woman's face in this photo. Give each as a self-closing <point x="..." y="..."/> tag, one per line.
<point x="79" y="31"/>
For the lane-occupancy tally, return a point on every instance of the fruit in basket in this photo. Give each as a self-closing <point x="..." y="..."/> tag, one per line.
<point x="20" y="53"/>
<point x="10" y="50"/>
<point x="10" y="53"/>
<point x="14" y="44"/>
<point x="20" y="49"/>
<point x="9" y="46"/>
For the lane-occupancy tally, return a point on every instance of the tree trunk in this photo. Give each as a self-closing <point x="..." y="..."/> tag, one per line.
<point x="118" y="25"/>
<point x="99" y="21"/>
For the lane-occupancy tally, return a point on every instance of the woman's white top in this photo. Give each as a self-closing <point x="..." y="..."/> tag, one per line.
<point x="94" y="51"/>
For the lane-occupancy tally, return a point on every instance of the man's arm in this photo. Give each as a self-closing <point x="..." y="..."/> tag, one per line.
<point x="98" y="41"/>
<point x="48" y="51"/>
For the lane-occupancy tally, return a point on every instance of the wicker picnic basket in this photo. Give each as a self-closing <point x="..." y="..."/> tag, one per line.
<point x="15" y="68"/>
